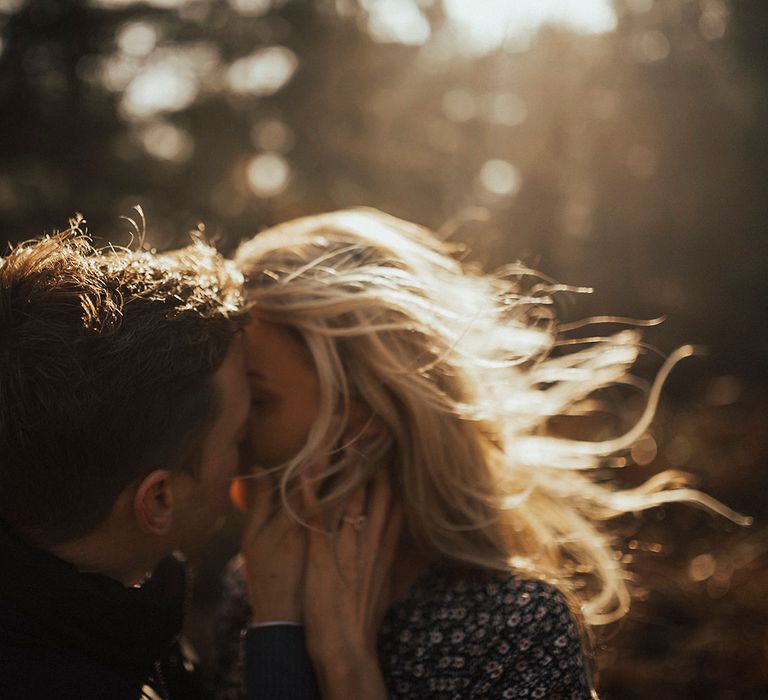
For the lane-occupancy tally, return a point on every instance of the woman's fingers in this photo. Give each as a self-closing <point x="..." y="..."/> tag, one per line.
<point x="274" y="551"/>
<point x="380" y="497"/>
<point x="259" y="488"/>
<point x="264" y="510"/>
<point x="387" y="551"/>
<point x="320" y="556"/>
<point x="352" y="523"/>
<point x="356" y="504"/>
<point x="308" y="486"/>
<point x="391" y="535"/>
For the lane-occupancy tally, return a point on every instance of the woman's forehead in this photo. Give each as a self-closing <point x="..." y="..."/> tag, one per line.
<point x="271" y="348"/>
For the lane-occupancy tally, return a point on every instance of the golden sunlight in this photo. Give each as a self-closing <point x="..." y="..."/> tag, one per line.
<point x="518" y="20"/>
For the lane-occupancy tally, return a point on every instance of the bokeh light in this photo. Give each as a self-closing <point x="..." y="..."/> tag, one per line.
<point x="163" y="87"/>
<point x="486" y="30"/>
<point x="505" y="108"/>
<point x="400" y="21"/>
<point x="263" y="72"/>
<point x="268" y="174"/>
<point x="166" y="141"/>
<point x="644" y="450"/>
<point x="702" y="567"/>
<point x="651" y="46"/>
<point x="500" y="177"/>
<point x="137" y="38"/>
<point x="251" y="8"/>
<point x="119" y="4"/>
<point x="459" y="105"/>
<point x="272" y="135"/>
<point x="724" y="390"/>
<point x="11" y="6"/>
<point x="714" y="19"/>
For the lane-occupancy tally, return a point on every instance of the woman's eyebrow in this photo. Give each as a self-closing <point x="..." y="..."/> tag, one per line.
<point x="255" y="374"/>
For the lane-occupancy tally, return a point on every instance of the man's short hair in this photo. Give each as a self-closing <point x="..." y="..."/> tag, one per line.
<point x="106" y="364"/>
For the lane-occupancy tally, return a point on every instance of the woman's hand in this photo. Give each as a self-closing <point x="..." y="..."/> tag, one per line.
<point x="273" y="546"/>
<point x="346" y="590"/>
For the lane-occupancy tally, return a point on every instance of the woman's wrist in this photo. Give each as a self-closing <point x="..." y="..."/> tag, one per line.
<point x="272" y="602"/>
<point x="350" y="676"/>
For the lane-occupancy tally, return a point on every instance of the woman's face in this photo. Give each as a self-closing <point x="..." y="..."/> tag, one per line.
<point x="285" y="394"/>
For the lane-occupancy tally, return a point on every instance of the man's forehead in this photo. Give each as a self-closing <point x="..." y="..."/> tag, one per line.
<point x="232" y="373"/>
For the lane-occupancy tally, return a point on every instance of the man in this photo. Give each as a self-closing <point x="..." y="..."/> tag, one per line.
<point x="122" y="401"/>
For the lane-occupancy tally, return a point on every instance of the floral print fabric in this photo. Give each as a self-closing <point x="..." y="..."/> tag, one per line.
<point x="460" y="633"/>
<point x="477" y="634"/>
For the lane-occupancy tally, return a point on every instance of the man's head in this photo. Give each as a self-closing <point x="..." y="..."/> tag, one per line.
<point x="116" y="368"/>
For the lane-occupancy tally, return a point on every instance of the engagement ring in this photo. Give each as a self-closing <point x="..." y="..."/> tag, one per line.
<point x="356" y="521"/>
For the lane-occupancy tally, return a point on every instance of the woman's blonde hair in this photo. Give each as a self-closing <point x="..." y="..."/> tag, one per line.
<point x="458" y="370"/>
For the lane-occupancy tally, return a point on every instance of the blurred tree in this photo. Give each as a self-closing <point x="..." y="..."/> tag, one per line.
<point x="631" y="160"/>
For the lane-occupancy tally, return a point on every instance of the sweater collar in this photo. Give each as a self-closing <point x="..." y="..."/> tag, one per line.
<point x="128" y="628"/>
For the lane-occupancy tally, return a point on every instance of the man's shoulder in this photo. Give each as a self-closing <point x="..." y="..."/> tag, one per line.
<point x="35" y="665"/>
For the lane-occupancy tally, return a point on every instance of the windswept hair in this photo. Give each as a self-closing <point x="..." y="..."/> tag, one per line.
<point x="457" y="367"/>
<point x="106" y="359"/>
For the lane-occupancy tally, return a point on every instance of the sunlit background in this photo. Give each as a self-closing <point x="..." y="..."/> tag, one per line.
<point x="618" y="144"/>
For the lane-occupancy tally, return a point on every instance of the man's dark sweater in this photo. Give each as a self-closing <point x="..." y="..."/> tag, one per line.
<point x="68" y="635"/>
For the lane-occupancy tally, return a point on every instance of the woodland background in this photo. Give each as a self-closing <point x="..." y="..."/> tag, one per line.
<point x="616" y="144"/>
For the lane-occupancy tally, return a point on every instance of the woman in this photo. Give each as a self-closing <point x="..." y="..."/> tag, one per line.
<point x="375" y="351"/>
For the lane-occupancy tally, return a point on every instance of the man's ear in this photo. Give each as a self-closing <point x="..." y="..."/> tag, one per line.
<point x="153" y="503"/>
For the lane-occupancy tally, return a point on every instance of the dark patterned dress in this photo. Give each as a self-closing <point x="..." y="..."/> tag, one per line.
<point x="460" y="633"/>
